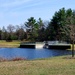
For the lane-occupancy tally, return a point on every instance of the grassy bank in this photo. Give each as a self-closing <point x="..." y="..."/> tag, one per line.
<point x="51" y="66"/>
<point x="12" y="44"/>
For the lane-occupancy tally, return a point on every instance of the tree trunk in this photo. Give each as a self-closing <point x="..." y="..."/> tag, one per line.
<point x="73" y="48"/>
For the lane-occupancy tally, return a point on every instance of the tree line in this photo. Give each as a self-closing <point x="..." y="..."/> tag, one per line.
<point x="31" y="30"/>
<point x="60" y="27"/>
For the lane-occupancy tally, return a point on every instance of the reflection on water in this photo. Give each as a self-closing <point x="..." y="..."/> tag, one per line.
<point x="10" y="53"/>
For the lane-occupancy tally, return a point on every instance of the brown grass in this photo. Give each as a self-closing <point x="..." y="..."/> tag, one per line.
<point x="17" y="59"/>
<point x="51" y="66"/>
<point x="13" y="59"/>
<point x="2" y="59"/>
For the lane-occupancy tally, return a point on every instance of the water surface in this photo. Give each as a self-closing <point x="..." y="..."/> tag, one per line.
<point x="29" y="54"/>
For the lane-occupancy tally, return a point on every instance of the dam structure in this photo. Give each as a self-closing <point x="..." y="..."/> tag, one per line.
<point x="59" y="45"/>
<point x="36" y="45"/>
<point x="47" y="45"/>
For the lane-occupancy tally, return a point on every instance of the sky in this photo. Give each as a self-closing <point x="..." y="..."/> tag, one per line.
<point x="16" y="12"/>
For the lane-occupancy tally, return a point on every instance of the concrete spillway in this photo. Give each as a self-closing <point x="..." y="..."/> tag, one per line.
<point x="39" y="46"/>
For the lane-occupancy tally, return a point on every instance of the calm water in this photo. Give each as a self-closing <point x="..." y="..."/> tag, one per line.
<point x="10" y="53"/>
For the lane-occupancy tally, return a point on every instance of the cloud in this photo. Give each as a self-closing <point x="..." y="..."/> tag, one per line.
<point x="13" y="3"/>
<point x="33" y="4"/>
<point x="37" y="3"/>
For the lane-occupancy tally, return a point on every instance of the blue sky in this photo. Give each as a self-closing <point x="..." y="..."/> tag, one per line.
<point x="17" y="12"/>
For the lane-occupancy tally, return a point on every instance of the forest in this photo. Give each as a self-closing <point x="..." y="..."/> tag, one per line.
<point x="60" y="27"/>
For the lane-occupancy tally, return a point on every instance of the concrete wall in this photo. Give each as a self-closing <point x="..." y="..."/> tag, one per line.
<point x="38" y="45"/>
<point x="27" y="46"/>
<point x="60" y="47"/>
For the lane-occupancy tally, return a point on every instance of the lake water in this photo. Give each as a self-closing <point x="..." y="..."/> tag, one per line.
<point x="30" y="54"/>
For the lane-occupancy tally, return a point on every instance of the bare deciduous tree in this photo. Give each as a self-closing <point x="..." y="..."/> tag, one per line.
<point x="72" y="36"/>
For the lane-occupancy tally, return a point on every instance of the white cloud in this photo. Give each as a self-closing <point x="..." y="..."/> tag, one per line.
<point x="33" y="4"/>
<point x="13" y="3"/>
<point x="17" y="11"/>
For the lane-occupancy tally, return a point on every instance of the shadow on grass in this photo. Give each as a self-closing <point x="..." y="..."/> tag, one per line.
<point x="68" y="57"/>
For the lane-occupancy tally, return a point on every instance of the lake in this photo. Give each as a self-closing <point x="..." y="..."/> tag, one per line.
<point x="31" y="54"/>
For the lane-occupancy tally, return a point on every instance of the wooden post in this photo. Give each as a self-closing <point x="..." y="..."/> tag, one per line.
<point x="73" y="48"/>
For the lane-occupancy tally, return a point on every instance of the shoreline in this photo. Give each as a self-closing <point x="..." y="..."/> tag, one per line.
<point x="50" y="66"/>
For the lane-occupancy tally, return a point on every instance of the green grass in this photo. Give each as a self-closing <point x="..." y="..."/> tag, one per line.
<point x="3" y="43"/>
<point x="50" y="66"/>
